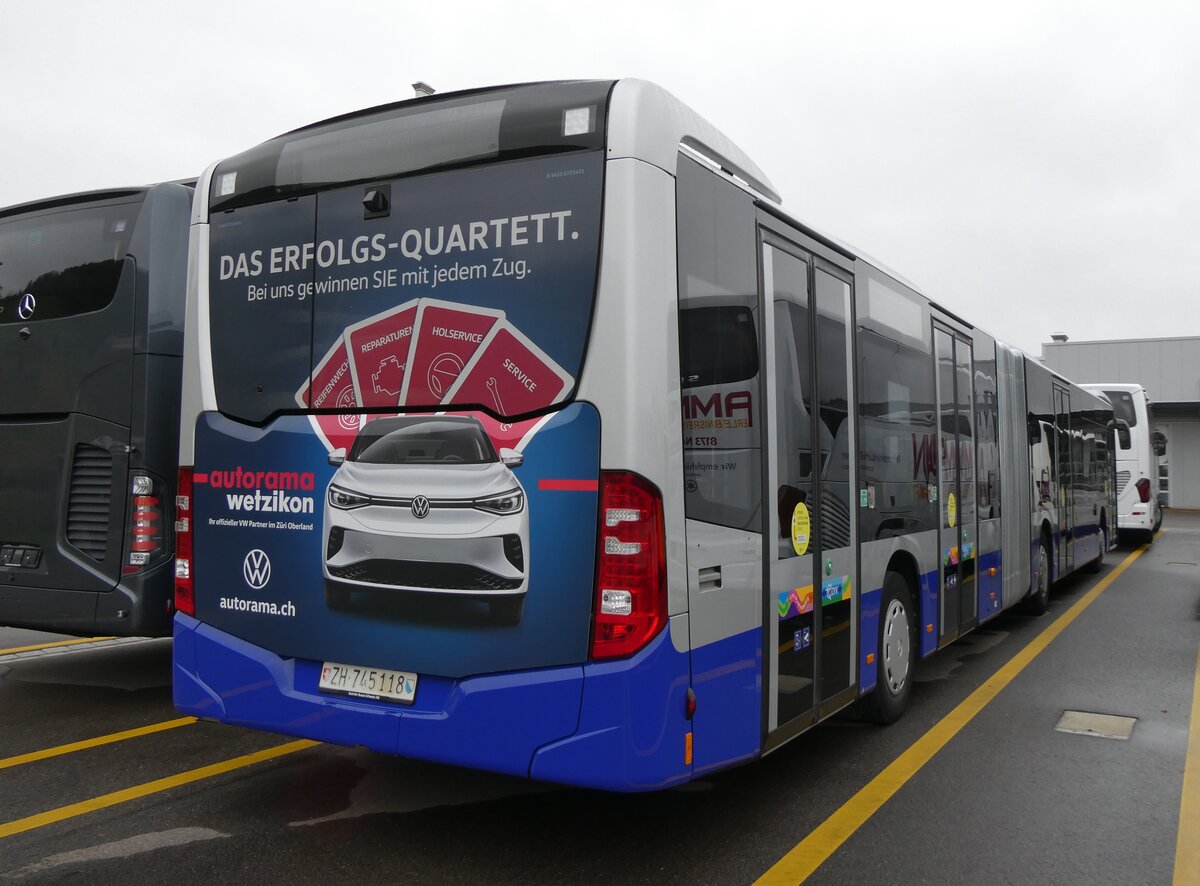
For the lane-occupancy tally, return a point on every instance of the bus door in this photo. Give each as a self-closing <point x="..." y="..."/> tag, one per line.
<point x="957" y="530"/>
<point x="809" y="550"/>
<point x="1065" y="556"/>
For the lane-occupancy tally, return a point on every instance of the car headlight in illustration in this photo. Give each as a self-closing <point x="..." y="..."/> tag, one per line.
<point x="509" y="502"/>
<point x="345" y="499"/>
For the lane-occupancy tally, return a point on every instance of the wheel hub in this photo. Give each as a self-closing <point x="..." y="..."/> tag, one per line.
<point x="895" y="646"/>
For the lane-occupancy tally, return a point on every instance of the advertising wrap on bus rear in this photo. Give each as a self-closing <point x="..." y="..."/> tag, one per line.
<point x="393" y="479"/>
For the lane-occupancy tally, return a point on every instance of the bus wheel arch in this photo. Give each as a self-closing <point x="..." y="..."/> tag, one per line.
<point x="1039" y="596"/>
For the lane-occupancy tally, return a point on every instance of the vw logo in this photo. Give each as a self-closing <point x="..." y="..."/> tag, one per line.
<point x="420" y="507"/>
<point x="26" y="306"/>
<point x="256" y="569"/>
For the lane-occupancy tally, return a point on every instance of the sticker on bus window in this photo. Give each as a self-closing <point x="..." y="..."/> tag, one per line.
<point x="378" y="351"/>
<point x="801" y="529"/>
<point x="444" y="339"/>
<point x="333" y="388"/>
<point x="797" y="601"/>
<point x="511" y="375"/>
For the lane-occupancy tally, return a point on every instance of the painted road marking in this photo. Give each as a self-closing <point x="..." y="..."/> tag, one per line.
<point x="21" y="825"/>
<point x="54" y="645"/>
<point x="811" y="852"/>
<point x="1187" y="848"/>
<point x="61" y="749"/>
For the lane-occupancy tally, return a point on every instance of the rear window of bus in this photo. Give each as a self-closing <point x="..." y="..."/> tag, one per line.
<point x="70" y="261"/>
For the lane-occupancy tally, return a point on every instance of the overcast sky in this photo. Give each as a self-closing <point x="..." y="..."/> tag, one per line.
<point x="1035" y="168"/>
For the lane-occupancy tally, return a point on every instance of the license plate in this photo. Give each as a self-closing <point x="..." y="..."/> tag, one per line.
<point x="373" y="683"/>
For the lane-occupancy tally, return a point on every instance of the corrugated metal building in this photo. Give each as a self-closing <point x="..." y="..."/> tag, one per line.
<point x="1169" y="370"/>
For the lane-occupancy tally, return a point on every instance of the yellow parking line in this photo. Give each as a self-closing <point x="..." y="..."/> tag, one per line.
<point x="1187" y="850"/>
<point x="61" y="749"/>
<point x="811" y="852"/>
<point x="53" y="645"/>
<point x="152" y="787"/>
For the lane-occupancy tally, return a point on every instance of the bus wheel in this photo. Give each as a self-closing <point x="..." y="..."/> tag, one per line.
<point x="507" y="610"/>
<point x="893" y="675"/>
<point x="1098" y="563"/>
<point x="1157" y="522"/>
<point x="1037" y="602"/>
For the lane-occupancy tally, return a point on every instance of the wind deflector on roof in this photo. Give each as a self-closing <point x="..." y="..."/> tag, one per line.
<point x="452" y="130"/>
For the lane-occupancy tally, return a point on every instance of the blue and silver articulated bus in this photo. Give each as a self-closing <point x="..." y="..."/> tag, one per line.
<point x="523" y="430"/>
<point x="91" y="345"/>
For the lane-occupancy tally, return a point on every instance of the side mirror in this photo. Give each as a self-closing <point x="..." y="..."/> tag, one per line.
<point x="1034" y="429"/>
<point x="1159" y="441"/>
<point x="336" y="457"/>
<point x="1122" y="429"/>
<point x="511" y="458"/>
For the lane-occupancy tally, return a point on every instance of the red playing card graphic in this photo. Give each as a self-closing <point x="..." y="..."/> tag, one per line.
<point x="511" y="375"/>
<point x="333" y="388"/>
<point x="445" y="336"/>
<point x="378" y="350"/>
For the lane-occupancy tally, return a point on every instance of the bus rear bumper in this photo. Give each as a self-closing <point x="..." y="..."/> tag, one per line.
<point x="137" y="607"/>
<point x="574" y="725"/>
<point x="1139" y="519"/>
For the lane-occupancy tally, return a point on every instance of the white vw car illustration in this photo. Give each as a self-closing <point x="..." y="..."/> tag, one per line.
<point x="424" y="504"/>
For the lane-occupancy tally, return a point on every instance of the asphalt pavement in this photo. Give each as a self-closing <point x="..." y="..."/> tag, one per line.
<point x="1007" y="799"/>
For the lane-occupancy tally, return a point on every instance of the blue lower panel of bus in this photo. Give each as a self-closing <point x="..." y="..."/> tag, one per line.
<point x="618" y="726"/>
<point x="991" y="587"/>
<point x="727" y="677"/>
<point x="869" y="628"/>
<point x="869" y="638"/>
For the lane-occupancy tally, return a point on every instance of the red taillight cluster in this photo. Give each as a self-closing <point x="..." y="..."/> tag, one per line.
<point x="147" y="523"/>
<point x="185" y="586"/>
<point x="631" y="574"/>
<point x="145" y="538"/>
<point x="1143" y="489"/>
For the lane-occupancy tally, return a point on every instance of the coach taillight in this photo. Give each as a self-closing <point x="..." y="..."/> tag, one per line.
<point x="145" y="541"/>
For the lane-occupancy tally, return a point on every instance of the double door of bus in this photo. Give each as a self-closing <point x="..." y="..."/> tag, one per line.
<point x="1065" y="500"/>
<point x="958" y="608"/>
<point x="810" y="635"/>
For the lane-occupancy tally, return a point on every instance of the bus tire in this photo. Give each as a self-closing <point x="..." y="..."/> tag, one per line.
<point x="1097" y="564"/>
<point x="1157" y="522"/>
<point x="507" y="610"/>
<point x="1039" y="601"/>
<point x="897" y="640"/>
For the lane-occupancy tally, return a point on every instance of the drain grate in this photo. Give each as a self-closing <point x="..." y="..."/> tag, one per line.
<point x="1100" y="725"/>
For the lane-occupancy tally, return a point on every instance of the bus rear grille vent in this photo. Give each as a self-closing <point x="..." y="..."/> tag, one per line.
<point x="1122" y="481"/>
<point x="90" y="502"/>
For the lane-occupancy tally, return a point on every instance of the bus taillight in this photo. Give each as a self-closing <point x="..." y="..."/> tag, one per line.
<point x="1143" y="489"/>
<point x="185" y="587"/>
<point x="631" y="586"/>
<point x="145" y="539"/>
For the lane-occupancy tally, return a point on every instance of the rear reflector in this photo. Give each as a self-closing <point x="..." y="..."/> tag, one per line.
<point x="185" y="580"/>
<point x="631" y="588"/>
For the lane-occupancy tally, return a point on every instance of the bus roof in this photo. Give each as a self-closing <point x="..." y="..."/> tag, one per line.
<point x="70" y="200"/>
<point x="643" y="121"/>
